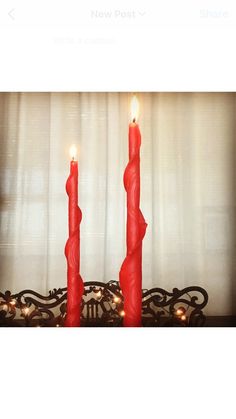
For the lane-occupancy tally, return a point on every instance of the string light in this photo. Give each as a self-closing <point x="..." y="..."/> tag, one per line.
<point x="26" y="310"/>
<point x="122" y="313"/>
<point x="99" y="294"/>
<point x="180" y="311"/>
<point x="116" y="299"/>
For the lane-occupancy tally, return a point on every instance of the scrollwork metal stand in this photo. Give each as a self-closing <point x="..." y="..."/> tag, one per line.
<point x="102" y="305"/>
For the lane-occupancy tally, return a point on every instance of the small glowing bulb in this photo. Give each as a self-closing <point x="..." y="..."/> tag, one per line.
<point x="57" y="325"/>
<point x="134" y="108"/>
<point x="26" y="310"/>
<point x="122" y="313"/>
<point x="13" y="302"/>
<point x="116" y="299"/>
<point x="180" y="311"/>
<point x="73" y="152"/>
<point x="183" y="318"/>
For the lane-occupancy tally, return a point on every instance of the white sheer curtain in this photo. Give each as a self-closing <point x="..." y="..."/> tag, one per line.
<point x="188" y="189"/>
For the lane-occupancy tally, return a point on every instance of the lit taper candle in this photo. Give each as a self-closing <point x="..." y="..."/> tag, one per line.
<point x="131" y="269"/>
<point x="75" y="287"/>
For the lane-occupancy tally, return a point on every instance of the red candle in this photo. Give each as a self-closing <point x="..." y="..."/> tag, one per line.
<point x="131" y="269"/>
<point x="75" y="287"/>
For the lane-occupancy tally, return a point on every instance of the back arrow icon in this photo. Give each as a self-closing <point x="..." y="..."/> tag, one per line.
<point x="11" y="14"/>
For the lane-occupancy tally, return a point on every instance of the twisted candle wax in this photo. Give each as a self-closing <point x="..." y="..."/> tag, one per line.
<point x="131" y="269"/>
<point x="75" y="287"/>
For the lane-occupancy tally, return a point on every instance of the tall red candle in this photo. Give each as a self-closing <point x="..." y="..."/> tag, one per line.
<point x="75" y="285"/>
<point x="131" y="269"/>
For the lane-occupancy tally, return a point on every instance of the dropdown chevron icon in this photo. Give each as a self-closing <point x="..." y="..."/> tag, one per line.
<point x="11" y="14"/>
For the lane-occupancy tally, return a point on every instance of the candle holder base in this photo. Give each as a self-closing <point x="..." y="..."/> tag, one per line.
<point x="102" y="305"/>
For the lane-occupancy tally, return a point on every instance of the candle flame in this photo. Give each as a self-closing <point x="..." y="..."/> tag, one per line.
<point x="73" y="152"/>
<point x="134" y="108"/>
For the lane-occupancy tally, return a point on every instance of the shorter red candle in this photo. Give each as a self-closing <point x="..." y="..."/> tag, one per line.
<point x="75" y="287"/>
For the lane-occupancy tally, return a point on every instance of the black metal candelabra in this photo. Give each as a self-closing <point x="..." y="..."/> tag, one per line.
<point x="102" y="305"/>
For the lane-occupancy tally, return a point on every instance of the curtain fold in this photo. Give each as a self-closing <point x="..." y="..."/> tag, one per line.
<point x="187" y="189"/>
